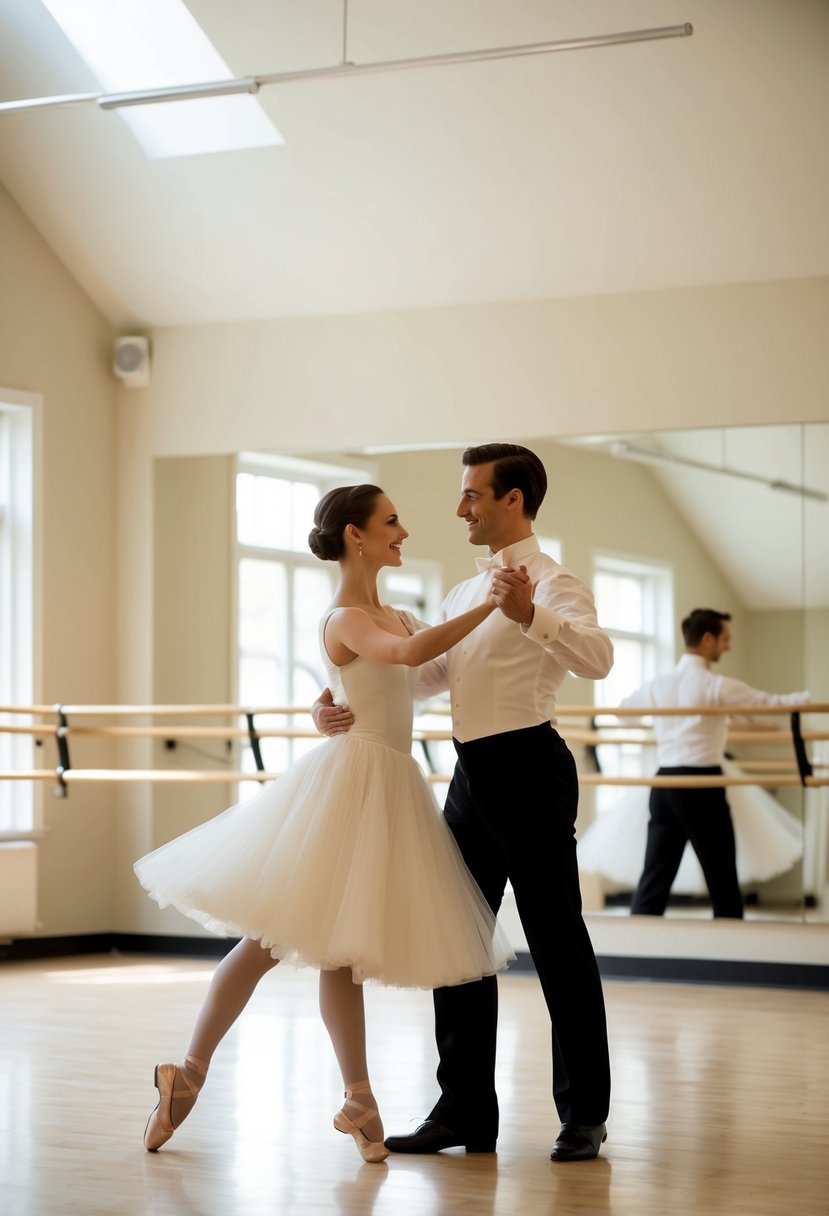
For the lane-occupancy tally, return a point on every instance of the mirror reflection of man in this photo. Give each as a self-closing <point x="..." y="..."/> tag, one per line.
<point x="694" y="746"/>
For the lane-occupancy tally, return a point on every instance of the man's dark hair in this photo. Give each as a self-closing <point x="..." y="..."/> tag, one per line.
<point x="702" y="621"/>
<point x="516" y="468"/>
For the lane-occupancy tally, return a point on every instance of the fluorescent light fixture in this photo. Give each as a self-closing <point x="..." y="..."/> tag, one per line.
<point x="627" y="451"/>
<point x="179" y="92"/>
<point x="144" y="95"/>
<point x="140" y="49"/>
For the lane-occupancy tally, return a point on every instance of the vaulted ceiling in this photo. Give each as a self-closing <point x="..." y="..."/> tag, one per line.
<point x="659" y="164"/>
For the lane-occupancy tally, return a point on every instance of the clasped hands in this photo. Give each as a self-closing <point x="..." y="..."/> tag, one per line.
<point x="512" y="591"/>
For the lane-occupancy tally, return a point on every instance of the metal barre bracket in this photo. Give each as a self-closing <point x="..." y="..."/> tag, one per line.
<point x="254" y="743"/>
<point x="804" y="764"/>
<point x="61" y="790"/>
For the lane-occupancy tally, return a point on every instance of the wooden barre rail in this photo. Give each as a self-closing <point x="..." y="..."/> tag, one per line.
<point x="217" y="776"/>
<point x="235" y="732"/>
<point x="564" y="711"/>
<point x="780" y="773"/>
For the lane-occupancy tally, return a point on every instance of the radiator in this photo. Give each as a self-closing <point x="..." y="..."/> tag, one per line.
<point x="18" y="889"/>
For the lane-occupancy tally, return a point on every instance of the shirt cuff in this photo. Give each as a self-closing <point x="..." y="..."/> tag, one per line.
<point x="545" y="626"/>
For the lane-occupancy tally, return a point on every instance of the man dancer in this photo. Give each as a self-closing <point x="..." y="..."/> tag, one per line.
<point x="512" y="807"/>
<point x="694" y="747"/>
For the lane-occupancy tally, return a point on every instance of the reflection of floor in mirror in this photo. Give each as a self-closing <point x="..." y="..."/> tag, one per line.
<point x="700" y="1074"/>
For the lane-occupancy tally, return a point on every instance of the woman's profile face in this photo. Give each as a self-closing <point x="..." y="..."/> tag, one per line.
<point x="384" y="534"/>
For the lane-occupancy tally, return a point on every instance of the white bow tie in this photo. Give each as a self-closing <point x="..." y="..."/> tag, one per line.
<point x="488" y="563"/>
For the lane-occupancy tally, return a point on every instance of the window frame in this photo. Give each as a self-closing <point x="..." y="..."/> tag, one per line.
<point x="21" y="550"/>
<point x="659" y="655"/>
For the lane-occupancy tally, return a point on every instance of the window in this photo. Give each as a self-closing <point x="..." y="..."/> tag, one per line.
<point x="416" y="586"/>
<point x="551" y="545"/>
<point x="282" y="590"/>
<point x="136" y="45"/>
<point x="634" y="602"/>
<point x="17" y="601"/>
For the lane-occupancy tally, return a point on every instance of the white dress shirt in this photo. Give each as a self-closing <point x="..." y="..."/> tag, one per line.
<point x="504" y="676"/>
<point x="698" y="741"/>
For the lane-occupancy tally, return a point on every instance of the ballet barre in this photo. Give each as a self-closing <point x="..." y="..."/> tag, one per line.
<point x="769" y="773"/>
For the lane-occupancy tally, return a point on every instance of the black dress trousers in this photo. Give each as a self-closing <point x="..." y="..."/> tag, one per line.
<point x="703" y="817"/>
<point x="512" y="808"/>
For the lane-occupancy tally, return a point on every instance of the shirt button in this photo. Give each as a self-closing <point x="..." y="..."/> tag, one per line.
<point x="545" y="636"/>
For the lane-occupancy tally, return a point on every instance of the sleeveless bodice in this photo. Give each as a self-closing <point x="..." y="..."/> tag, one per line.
<point x="380" y="695"/>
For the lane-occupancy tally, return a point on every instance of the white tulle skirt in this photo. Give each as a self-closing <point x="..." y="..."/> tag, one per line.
<point x="769" y="839"/>
<point x="344" y="861"/>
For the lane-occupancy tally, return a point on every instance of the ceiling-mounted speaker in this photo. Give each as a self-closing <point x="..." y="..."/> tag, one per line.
<point x="131" y="361"/>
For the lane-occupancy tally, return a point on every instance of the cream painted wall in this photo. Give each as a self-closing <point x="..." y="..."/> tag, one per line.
<point x="774" y="646"/>
<point x="54" y="342"/>
<point x="192" y="631"/>
<point x="193" y="626"/>
<point x="711" y="356"/>
<point x="816" y="652"/>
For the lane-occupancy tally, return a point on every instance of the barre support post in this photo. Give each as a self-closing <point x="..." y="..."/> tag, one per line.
<point x="61" y="790"/>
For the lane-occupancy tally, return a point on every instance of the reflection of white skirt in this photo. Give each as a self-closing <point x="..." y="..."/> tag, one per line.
<point x="769" y="839"/>
<point x="344" y="861"/>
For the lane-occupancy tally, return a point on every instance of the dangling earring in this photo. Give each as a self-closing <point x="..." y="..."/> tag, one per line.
<point x="360" y="548"/>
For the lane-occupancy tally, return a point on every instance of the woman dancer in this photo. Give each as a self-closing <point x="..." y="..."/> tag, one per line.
<point x="345" y="863"/>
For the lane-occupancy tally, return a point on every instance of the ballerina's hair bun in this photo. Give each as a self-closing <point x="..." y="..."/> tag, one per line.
<point x="334" y="511"/>
<point x="324" y="546"/>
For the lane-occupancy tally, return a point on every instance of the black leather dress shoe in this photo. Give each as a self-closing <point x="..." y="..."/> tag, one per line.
<point x="432" y="1136"/>
<point x="578" y="1142"/>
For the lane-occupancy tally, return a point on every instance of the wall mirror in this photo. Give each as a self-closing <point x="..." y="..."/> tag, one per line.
<point x="739" y="521"/>
<point x="730" y="518"/>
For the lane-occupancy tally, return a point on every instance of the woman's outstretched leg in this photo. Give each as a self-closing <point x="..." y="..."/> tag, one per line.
<point x="231" y="987"/>
<point x="343" y="1012"/>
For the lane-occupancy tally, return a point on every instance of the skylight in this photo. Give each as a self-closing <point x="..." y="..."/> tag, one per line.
<point x="144" y="44"/>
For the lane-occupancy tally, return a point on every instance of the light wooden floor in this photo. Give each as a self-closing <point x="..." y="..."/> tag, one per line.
<point x="719" y="1103"/>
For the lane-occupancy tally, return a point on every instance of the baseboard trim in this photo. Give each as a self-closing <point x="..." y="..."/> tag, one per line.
<point x="667" y="970"/>
<point x="22" y="948"/>
<point x="733" y="972"/>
